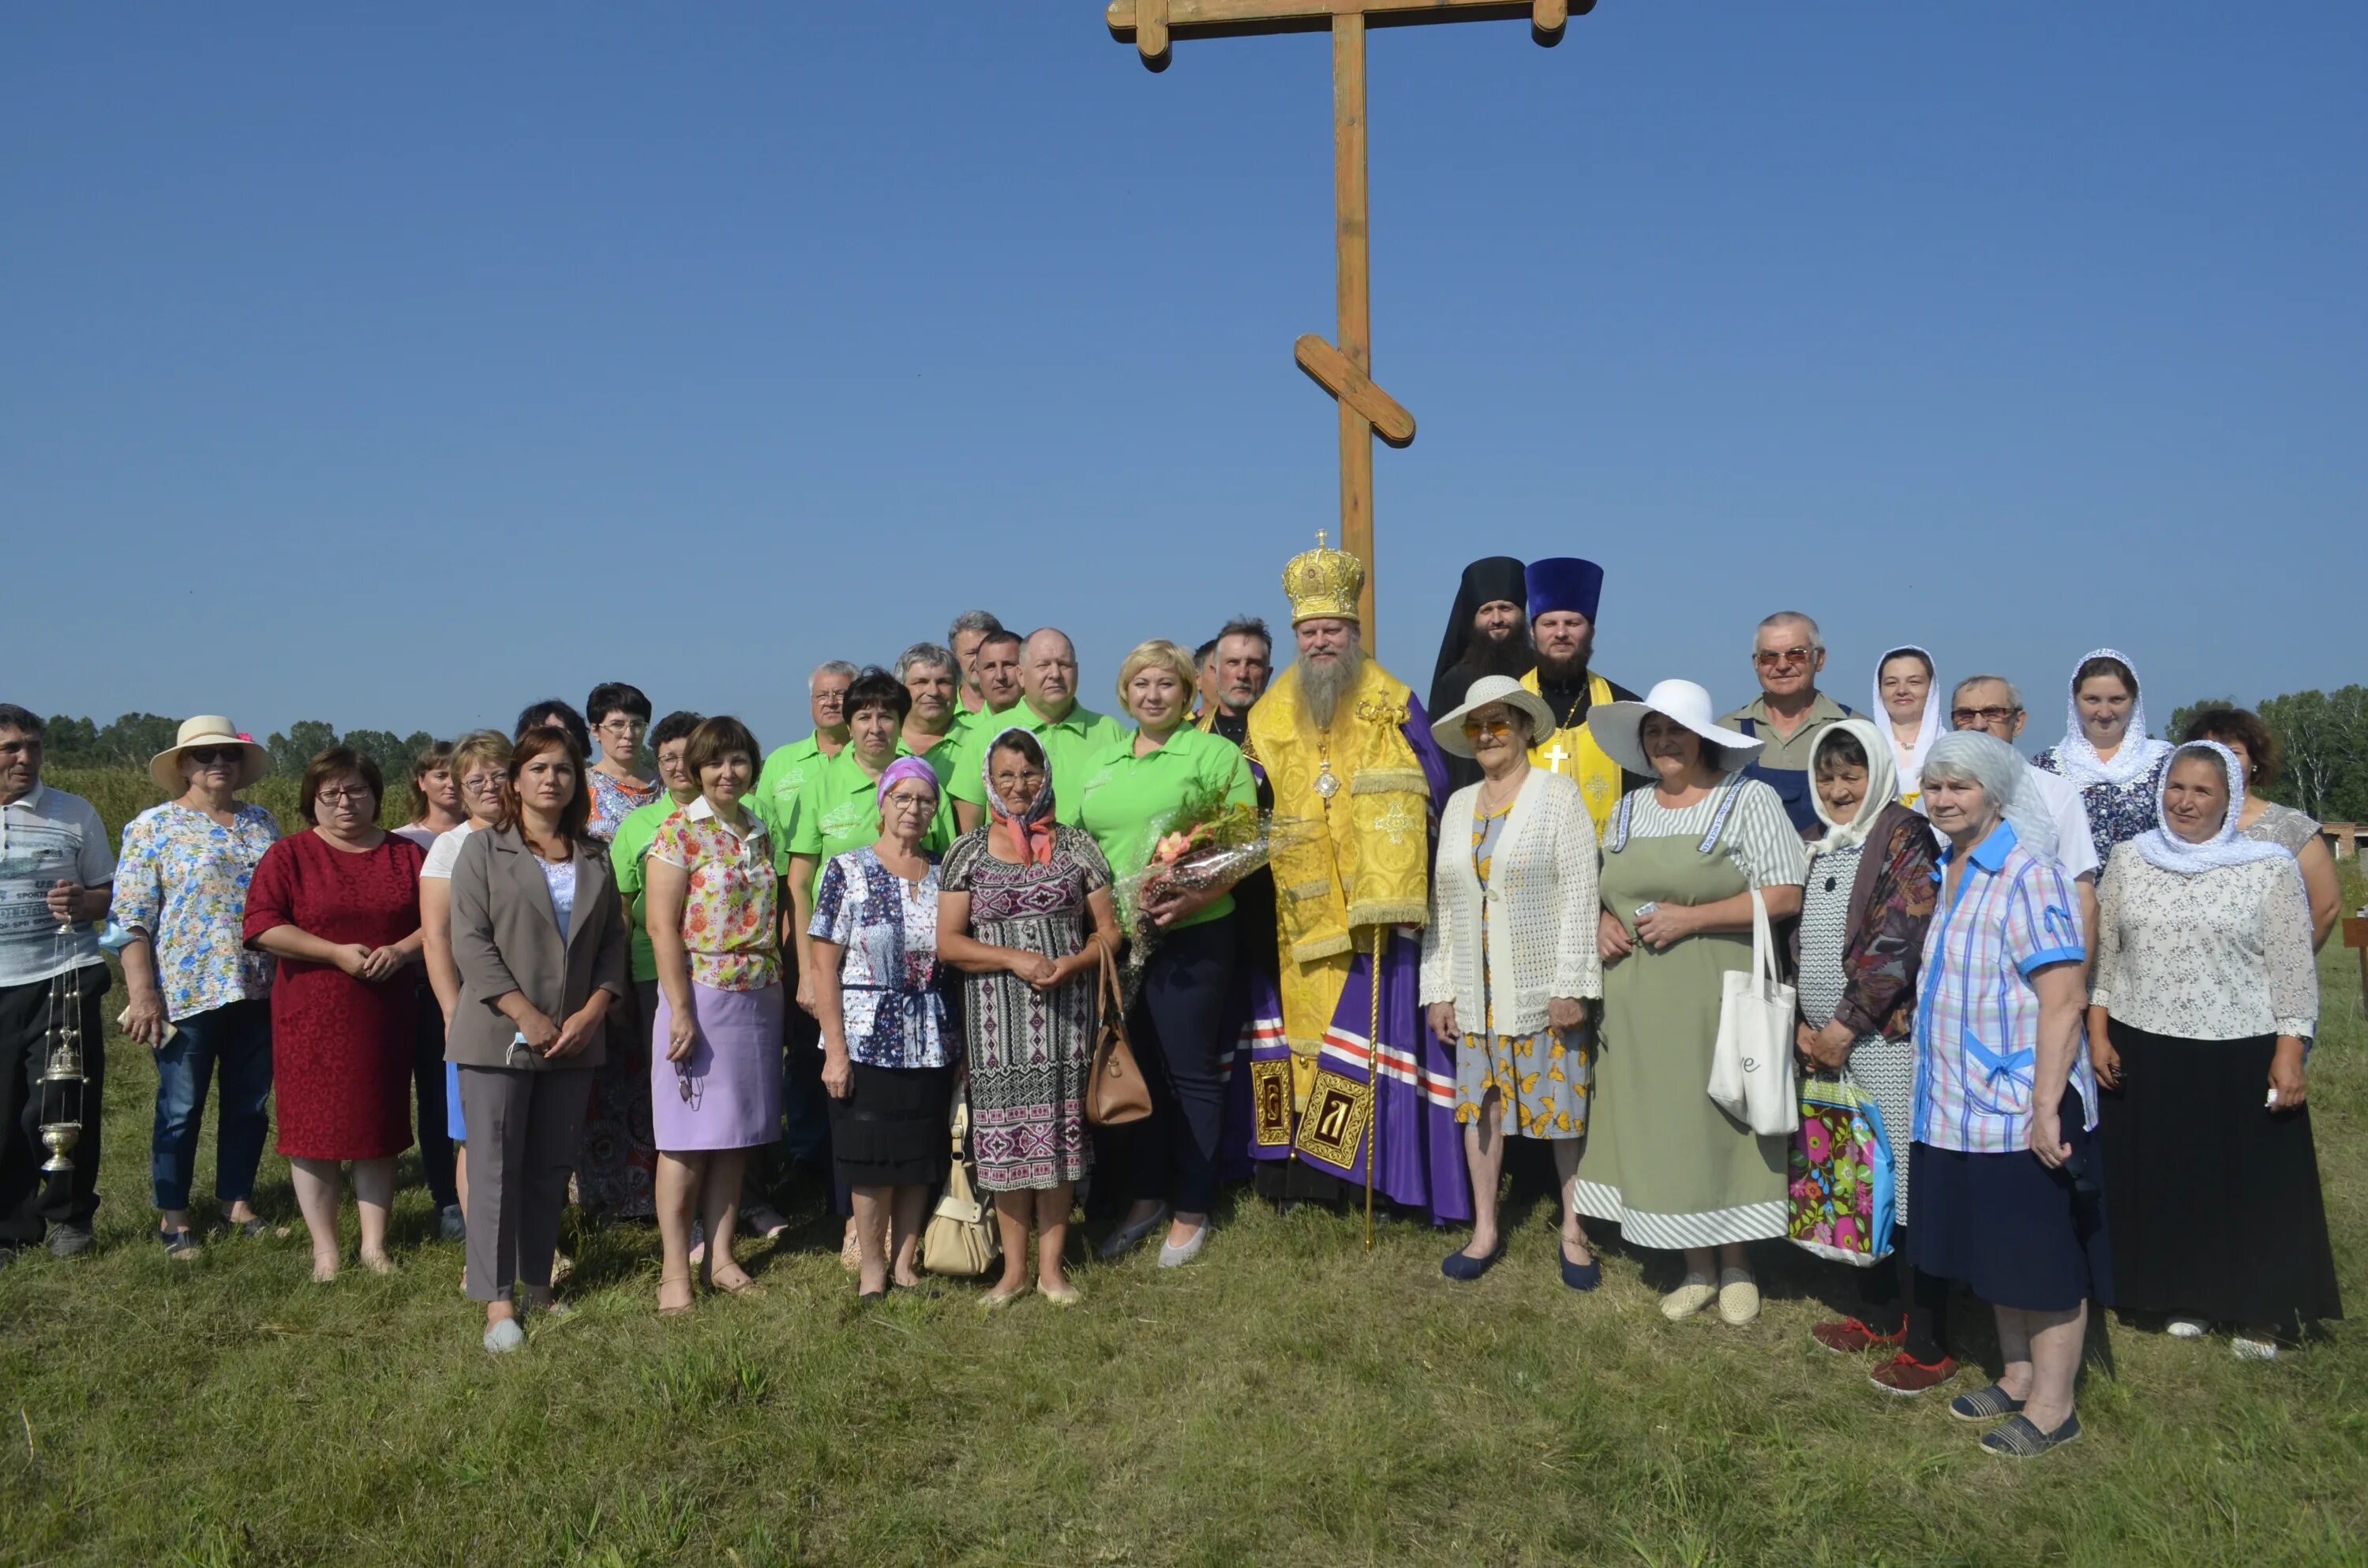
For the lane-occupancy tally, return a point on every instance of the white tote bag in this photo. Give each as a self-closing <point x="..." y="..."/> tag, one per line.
<point x="1751" y="1070"/>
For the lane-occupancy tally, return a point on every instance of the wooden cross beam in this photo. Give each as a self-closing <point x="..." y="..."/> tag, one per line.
<point x="1344" y="368"/>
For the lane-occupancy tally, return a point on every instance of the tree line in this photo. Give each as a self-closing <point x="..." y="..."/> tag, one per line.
<point x="132" y="738"/>
<point x="2325" y="737"/>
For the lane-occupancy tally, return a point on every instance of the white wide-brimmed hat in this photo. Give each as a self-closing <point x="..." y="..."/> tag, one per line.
<point x="1448" y="727"/>
<point x="206" y="729"/>
<point x="1617" y="726"/>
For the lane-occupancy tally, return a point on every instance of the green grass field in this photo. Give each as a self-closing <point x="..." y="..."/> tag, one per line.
<point x="1290" y="1398"/>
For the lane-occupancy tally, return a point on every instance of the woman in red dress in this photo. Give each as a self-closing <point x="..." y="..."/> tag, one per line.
<point x="340" y="908"/>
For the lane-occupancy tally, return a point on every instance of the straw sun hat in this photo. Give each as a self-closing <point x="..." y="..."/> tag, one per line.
<point x="206" y="729"/>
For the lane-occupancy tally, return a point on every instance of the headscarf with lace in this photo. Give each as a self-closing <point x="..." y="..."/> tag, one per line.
<point x="2077" y="761"/>
<point x="2226" y="846"/>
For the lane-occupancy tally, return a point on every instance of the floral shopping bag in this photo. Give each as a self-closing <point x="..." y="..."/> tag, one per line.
<point x="1840" y="1192"/>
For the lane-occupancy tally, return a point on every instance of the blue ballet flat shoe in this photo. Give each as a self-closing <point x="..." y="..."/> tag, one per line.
<point x="1582" y="1276"/>
<point x="1458" y="1266"/>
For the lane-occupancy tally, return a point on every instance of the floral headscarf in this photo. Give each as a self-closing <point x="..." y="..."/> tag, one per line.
<point x="1030" y="831"/>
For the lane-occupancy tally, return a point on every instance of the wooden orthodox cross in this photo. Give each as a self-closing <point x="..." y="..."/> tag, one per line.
<point x="1345" y="369"/>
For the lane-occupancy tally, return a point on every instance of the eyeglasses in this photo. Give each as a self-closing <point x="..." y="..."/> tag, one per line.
<point x="206" y="756"/>
<point x="1773" y="659"/>
<point x="624" y="726"/>
<point x="353" y="793"/>
<point x="1966" y="718"/>
<point x="485" y="783"/>
<point x="1012" y="780"/>
<point x="1475" y="727"/>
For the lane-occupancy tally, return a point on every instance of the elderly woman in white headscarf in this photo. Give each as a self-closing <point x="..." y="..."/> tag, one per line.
<point x="1856" y="949"/>
<point x="1907" y="698"/>
<point x="2106" y="753"/>
<point x="2207" y="991"/>
<point x="2004" y="1163"/>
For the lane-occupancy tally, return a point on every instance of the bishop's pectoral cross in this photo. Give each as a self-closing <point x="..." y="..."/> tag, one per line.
<point x="1345" y="368"/>
<point x="1556" y="756"/>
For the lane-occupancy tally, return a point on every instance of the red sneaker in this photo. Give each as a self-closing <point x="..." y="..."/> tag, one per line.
<point x="1905" y="1375"/>
<point x="1850" y="1336"/>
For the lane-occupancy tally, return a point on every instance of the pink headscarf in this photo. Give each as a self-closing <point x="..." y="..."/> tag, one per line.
<point x="904" y="767"/>
<point x="1030" y="831"/>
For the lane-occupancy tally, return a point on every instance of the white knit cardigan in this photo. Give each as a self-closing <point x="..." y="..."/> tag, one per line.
<point x="1541" y="904"/>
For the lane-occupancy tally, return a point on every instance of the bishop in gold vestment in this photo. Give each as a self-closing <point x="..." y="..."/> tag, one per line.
<point x="1347" y="750"/>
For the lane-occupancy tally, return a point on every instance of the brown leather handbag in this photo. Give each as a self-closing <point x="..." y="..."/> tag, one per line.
<point x="1116" y="1092"/>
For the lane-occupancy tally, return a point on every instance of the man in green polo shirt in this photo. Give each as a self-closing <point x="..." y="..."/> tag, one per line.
<point x="1072" y="734"/>
<point x="997" y="663"/>
<point x="785" y="771"/>
<point x="970" y="629"/>
<point x="927" y="672"/>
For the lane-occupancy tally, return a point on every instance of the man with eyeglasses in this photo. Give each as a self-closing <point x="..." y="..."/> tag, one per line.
<point x="1992" y="705"/>
<point x="1787" y="655"/>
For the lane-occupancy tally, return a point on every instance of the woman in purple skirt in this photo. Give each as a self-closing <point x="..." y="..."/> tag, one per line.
<point x="713" y="907"/>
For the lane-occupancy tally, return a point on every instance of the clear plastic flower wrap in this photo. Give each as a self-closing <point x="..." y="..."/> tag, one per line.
<point x="1206" y="843"/>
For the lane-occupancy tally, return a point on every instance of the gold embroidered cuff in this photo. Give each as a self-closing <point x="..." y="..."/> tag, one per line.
<point x="1388" y="914"/>
<point x="1317" y="947"/>
<point x="1384" y="780"/>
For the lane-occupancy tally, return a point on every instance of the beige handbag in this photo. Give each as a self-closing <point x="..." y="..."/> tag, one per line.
<point x="961" y="1240"/>
<point x="1115" y="1091"/>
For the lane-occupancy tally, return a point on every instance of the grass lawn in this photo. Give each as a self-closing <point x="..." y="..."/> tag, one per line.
<point x="1289" y="1398"/>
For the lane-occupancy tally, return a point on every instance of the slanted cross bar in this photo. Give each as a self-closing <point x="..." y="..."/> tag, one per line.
<point x="1344" y="368"/>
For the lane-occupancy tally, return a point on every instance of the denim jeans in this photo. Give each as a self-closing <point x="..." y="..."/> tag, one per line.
<point x="238" y="1037"/>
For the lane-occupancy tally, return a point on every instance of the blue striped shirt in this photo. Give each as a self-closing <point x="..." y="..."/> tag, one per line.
<point x="1977" y="1016"/>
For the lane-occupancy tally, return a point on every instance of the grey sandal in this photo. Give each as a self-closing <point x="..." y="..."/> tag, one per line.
<point x="2019" y="1439"/>
<point x="1985" y="1404"/>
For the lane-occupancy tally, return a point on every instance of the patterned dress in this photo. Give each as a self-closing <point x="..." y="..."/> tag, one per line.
<point x="1542" y="1076"/>
<point x="1884" y="1068"/>
<point x="1030" y="1051"/>
<point x="614" y="800"/>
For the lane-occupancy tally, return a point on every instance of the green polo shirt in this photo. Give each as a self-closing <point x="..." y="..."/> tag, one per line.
<point x="838" y="810"/>
<point x="942" y="757"/>
<point x="1070" y="744"/>
<point x="1122" y="795"/>
<point x="784" y="774"/>
<point x="966" y="723"/>
<point x="629" y="852"/>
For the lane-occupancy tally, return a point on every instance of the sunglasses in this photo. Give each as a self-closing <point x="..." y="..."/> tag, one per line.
<point x="1475" y="727"/>
<point x="206" y="756"/>
<point x="1767" y="660"/>
<point x="1966" y="718"/>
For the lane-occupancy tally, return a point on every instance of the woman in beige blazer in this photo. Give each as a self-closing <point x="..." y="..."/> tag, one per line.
<point x="1510" y="959"/>
<point x="540" y="939"/>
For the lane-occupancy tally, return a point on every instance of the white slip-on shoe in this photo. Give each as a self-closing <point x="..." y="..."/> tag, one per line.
<point x="1176" y="1256"/>
<point x="1738" y="1297"/>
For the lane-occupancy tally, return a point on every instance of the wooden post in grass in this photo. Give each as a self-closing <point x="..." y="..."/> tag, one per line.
<point x="2356" y="937"/>
<point x="1344" y="368"/>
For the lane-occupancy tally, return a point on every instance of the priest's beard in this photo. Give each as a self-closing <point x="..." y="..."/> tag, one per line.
<point x="1323" y="682"/>
<point x="1509" y="655"/>
<point x="1563" y="672"/>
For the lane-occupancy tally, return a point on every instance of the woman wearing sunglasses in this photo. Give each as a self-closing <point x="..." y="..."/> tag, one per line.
<point x="1510" y="959"/>
<point x="196" y="994"/>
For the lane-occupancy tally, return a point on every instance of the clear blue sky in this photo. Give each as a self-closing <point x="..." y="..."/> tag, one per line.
<point x="392" y="367"/>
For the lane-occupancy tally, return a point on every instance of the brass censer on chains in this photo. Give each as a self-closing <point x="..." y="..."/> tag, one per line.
<point x="63" y="1082"/>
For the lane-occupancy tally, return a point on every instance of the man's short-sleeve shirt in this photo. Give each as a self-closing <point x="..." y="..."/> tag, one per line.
<point x="1071" y="744"/>
<point x="1976" y="1014"/>
<point x="47" y="837"/>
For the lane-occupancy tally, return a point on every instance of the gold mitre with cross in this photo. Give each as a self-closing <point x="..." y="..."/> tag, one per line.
<point x="1323" y="582"/>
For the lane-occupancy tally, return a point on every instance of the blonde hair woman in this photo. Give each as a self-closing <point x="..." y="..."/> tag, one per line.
<point x="1132" y="789"/>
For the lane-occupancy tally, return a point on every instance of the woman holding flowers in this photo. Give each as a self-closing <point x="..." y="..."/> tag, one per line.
<point x="1015" y="900"/>
<point x="1169" y="778"/>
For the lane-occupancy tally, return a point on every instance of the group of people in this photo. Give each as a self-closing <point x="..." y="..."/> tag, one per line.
<point x="2068" y="988"/>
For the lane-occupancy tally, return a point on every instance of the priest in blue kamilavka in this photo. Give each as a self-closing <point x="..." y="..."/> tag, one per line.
<point x="1347" y="748"/>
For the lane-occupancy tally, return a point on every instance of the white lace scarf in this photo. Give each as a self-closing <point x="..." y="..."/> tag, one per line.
<point x="2167" y="850"/>
<point x="2077" y="761"/>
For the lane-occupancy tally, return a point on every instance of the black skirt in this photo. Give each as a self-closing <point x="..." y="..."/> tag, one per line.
<point x="2016" y="1233"/>
<point x="2216" y="1206"/>
<point x="893" y="1129"/>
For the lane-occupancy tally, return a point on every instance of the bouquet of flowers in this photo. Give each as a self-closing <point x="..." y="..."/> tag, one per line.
<point x="1206" y="844"/>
